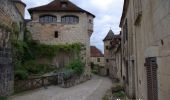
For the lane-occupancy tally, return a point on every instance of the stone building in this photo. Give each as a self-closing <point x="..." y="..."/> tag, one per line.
<point x="145" y="49"/>
<point x="11" y="11"/>
<point x="62" y="22"/>
<point x="112" y="55"/>
<point x="115" y="49"/>
<point x="108" y="54"/>
<point x="97" y="59"/>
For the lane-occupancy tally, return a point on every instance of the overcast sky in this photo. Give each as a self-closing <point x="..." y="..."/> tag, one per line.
<point x="107" y="12"/>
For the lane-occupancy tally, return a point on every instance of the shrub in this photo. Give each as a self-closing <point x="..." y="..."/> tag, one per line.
<point x="119" y="94"/>
<point x="34" y="68"/>
<point x="21" y="74"/>
<point x="77" y="66"/>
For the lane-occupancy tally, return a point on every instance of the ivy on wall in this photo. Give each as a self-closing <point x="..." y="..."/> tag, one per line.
<point x="25" y="52"/>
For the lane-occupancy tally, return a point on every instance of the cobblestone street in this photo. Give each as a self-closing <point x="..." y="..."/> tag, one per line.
<point x="90" y="90"/>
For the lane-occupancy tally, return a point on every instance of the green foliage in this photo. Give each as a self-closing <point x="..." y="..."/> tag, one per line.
<point x="105" y="98"/>
<point x="119" y="94"/>
<point x="37" y="69"/>
<point x="25" y="53"/>
<point x="94" y="68"/>
<point x="77" y="66"/>
<point x="21" y="74"/>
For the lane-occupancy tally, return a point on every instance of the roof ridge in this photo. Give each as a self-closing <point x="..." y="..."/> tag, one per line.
<point x="55" y="5"/>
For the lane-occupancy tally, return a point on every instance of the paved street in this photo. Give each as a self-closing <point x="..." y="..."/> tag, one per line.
<point x="91" y="90"/>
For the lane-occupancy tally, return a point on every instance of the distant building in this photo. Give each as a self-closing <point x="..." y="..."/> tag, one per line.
<point x="115" y="49"/>
<point x="112" y="55"/>
<point x="62" y="22"/>
<point x="11" y="15"/>
<point x="145" y="26"/>
<point x="97" y="59"/>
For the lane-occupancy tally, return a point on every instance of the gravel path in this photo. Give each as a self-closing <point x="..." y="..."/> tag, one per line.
<point x="91" y="90"/>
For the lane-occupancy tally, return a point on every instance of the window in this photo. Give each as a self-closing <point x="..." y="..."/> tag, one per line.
<point x="152" y="83"/>
<point x="98" y="59"/>
<point x="70" y="19"/>
<point x="56" y="34"/>
<point x="48" y="19"/>
<point x="107" y="60"/>
<point x="107" y="47"/>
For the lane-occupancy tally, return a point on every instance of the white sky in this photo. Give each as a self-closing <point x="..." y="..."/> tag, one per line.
<point x="107" y="12"/>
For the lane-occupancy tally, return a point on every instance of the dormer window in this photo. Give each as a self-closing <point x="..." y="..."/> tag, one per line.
<point x="70" y="19"/>
<point x="48" y="19"/>
<point x="63" y="4"/>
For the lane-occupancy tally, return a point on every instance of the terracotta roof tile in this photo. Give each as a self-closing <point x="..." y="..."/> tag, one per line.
<point x="95" y="52"/>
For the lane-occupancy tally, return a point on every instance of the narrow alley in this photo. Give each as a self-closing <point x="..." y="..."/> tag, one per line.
<point x="90" y="90"/>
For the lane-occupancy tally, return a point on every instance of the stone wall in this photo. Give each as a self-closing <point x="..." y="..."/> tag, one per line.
<point x="67" y="33"/>
<point x="149" y="36"/>
<point x="6" y="72"/>
<point x="8" y="14"/>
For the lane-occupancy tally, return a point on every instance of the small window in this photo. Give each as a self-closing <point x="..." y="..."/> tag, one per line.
<point x="56" y="34"/>
<point x="107" y="60"/>
<point x="98" y="59"/>
<point x="107" y="47"/>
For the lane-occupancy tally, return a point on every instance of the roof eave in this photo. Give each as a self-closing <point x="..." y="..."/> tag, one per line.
<point x="31" y="11"/>
<point x="125" y="7"/>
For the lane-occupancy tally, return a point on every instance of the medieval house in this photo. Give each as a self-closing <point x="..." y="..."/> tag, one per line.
<point x="62" y="22"/>
<point x="108" y="54"/>
<point x="97" y="59"/>
<point x="145" y="49"/>
<point x="112" y="55"/>
<point x="11" y="11"/>
<point x="115" y="49"/>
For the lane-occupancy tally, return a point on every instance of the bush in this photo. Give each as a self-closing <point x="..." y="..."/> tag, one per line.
<point x="77" y="66"/>
<point x="34" y="68"/>
<point x="119" y="94"/>
<point x="21" y="74"/>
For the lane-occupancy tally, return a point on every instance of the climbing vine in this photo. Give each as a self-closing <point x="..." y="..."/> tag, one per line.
<point x="26" y="52"/>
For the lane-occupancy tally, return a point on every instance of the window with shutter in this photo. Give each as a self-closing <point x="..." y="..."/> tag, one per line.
<point x="151" y="69"/>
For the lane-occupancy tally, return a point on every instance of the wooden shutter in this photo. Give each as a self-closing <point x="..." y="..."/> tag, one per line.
<point x="152" y="86"/>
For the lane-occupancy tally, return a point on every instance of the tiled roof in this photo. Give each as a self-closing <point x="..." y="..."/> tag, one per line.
<point x="95" y="52"/>
<point x="56" y="6"/>
<point x="109" y="36"/>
